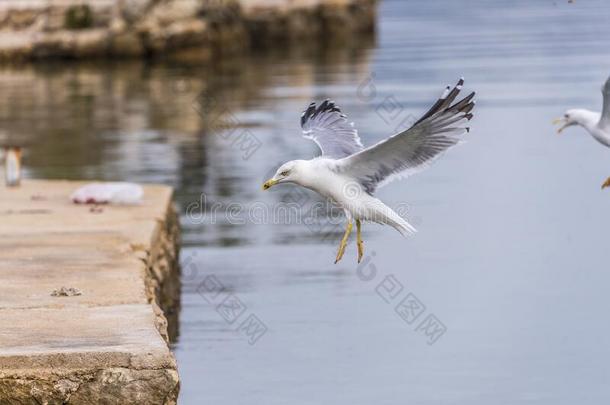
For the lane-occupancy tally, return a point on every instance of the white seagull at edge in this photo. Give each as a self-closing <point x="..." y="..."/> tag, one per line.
<point x="349" y="174"/>
<point x="597" y="124"/>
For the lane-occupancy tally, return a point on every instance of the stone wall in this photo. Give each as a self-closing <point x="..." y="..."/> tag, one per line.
<point x="107" y="341"/>
<point x="80" y="28"/>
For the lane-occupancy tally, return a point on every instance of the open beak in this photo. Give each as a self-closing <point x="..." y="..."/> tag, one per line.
<point x="269" y="183"/>
<point x="560" y="121"/>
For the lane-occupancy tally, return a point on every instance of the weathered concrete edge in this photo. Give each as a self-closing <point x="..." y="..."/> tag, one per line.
<point x="120" y="385"/>
<point x="162" y="274"/>
<point x="129" y="379"/>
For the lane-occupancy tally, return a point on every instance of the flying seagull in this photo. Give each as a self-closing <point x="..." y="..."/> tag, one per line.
<point x="597" y="124"/>
<point x="349" y="174"/>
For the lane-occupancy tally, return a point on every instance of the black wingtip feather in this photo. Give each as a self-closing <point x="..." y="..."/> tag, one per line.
<point x="313" y="110"/>
<point x="308" y="113"/>
<point x="464" y="103"/>
<point x="467" y="108"/>
<point x="443" y="102"/>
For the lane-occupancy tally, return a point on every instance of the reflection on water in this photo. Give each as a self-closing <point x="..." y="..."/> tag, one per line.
<point x="513" y="227"/>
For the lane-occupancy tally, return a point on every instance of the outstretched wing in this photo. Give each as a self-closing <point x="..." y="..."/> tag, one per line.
<point x="329" y="128"/>
<point x="604" y="121"/>
<point x="414" y="149"/>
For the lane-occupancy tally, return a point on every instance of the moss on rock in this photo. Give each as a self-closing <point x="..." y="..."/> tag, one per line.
<point x="78" y="17"/>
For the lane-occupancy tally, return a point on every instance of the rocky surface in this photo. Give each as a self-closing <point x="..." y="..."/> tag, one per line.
<point x="78" y="29"/>
<point x="108" y="344"/>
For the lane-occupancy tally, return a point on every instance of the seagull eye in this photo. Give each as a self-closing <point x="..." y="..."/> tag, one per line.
<point x="285" y="173"/>
<point x="566" y="115"/>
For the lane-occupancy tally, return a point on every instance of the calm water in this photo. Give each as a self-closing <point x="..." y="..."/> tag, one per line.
<point x="513" y="229"/>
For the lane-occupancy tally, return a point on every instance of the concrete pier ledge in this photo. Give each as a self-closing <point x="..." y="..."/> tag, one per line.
<point x="82" y="294"/>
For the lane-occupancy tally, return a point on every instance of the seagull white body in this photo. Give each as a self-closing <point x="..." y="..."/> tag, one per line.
<point x="318" y="174"/>
<point x="349" y="174"/>
<point x="597" y="124"/>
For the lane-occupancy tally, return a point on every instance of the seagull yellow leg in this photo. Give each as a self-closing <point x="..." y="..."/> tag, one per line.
<point x="343" y="244"/>
<point x="359" y="240"/>
<point x="606" y="183"/>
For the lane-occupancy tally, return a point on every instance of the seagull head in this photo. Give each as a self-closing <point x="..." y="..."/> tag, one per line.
<point x="572" y="117"/>
<point x="289" y="172"/>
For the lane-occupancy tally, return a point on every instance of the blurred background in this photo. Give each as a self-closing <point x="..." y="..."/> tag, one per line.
<point x="501" y="296"/>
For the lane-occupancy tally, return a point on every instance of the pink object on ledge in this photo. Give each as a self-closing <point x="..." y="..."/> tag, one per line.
<point x="108" y="193"/>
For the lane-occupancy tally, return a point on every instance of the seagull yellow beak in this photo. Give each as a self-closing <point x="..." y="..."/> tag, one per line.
<point x="606" y="184"/>
<point x="560" y="121"/>
<point x="269" y="183"/>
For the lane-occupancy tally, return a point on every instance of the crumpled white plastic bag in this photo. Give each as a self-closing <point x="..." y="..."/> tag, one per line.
<point x="108" y="193"/>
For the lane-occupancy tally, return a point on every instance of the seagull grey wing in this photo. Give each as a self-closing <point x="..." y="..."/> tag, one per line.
<point x="329" y="128"/>
<point x="414" y="149"/>
<point x="604" y="121"/>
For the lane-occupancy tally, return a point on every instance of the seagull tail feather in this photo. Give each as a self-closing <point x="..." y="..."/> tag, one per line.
<point x="402" y="226"/>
